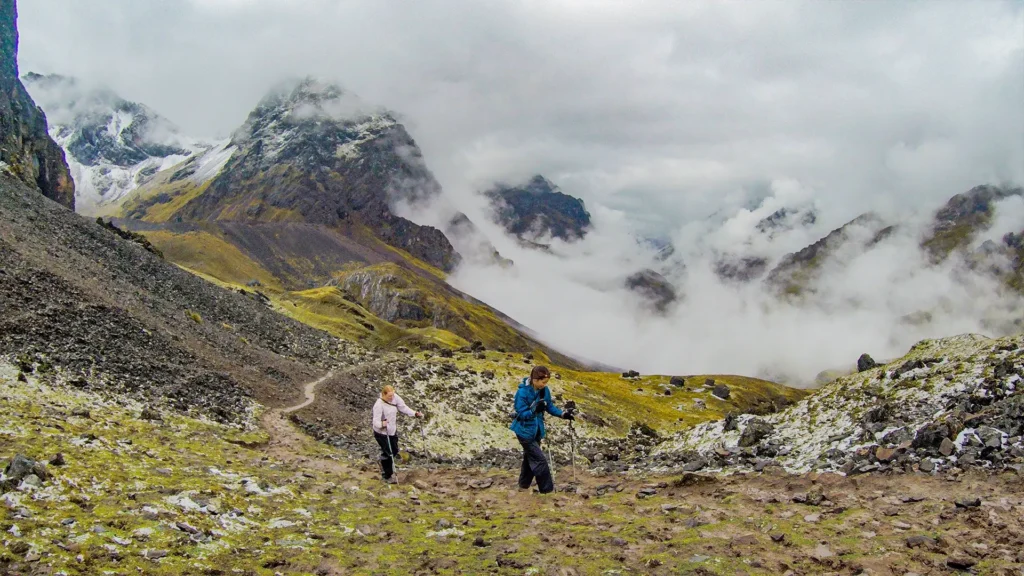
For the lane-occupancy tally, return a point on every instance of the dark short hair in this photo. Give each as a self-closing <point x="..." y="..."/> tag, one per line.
<point x="540" y="373"/>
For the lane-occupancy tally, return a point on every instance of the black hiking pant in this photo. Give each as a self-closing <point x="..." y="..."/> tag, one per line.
<point x="388" y="449"/>
<point x="535" y="465"/>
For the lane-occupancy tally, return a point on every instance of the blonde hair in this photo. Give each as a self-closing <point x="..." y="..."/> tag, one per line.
<point x="386" y="389"/>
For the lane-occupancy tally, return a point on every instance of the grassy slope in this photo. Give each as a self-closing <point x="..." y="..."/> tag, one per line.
<point x="260" y="515"/>
<point x="616" y="402"/>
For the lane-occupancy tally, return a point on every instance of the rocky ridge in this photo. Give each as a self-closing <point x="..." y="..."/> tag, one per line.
<point x="79" y="299"/>
<point x="949" y="405"/>
<point x="309" y="152"/>
<point x="26" y="150"/>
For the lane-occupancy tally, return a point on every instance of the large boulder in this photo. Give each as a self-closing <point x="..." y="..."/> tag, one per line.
<point x="755" y="431"/>
<point x="865" y="363"/>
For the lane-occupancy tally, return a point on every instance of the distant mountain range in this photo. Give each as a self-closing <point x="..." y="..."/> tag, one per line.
<point x="308" y="184"/>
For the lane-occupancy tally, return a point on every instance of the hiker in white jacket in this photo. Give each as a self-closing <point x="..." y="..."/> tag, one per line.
<point x="385" y="427"/>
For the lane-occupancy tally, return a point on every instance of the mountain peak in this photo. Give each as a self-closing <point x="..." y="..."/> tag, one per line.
<point x="539" y="208"/>
<point x="310" y="98"/>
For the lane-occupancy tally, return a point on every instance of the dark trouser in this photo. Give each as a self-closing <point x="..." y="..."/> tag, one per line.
<point x="535" y="465"/>
<point x="387" y="451"/>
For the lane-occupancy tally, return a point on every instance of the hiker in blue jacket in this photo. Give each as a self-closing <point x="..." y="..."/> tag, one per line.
<point x="533" y="399"/>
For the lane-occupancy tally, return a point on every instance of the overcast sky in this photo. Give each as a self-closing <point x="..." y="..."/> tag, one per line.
<point x="663" y="109"/>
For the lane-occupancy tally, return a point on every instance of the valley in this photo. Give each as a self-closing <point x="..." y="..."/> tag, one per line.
<point x="193" y="332"/>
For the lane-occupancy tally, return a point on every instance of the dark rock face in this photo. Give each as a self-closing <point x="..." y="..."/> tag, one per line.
<point x="865" y="363"/>
<point x="26" y="149"/>
<point x="654" y="287"/>
<point x="786" y="218"/>
<point x="307" y="152"/>
<point x="471" y="240"/>
<point x="755" y="431"/>
<point x="539" y="209"/>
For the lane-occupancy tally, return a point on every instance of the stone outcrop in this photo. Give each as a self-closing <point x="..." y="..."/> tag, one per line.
<point x="26" y="150"/>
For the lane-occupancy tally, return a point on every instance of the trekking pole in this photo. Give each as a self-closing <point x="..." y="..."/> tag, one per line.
<point x="572" y="448"/>
<point x="394" y="461"/>
<point x="423" y="436"/>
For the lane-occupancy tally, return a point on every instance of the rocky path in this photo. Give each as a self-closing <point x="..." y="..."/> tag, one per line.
<point x="310" y="392"/>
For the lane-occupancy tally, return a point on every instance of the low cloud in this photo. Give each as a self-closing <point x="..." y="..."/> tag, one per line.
<point x="691" y="121"/>
<point x="880" y="300"/>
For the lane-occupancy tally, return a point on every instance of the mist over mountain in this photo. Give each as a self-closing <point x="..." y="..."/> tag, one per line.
<point x="113" y="145"/>
<point x="798" y="184"/>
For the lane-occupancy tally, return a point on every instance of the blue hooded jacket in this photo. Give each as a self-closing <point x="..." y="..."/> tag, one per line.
<point x="529" y="422"/>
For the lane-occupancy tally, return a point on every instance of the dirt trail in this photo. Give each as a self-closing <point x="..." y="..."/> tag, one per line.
<point x="288" y="444"/>
<point x="310" y="392"/>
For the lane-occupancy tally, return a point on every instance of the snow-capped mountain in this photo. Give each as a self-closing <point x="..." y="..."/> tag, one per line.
<point x="309" y="152"/>
<point x="113" y="145"/>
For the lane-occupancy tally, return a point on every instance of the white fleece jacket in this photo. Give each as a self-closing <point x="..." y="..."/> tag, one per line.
<point x="389" y="411"/>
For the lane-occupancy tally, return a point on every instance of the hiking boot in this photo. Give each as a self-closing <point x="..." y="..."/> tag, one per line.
<point x="390" y="480"/>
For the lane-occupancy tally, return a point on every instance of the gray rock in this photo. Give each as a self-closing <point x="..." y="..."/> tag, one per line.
<point x="947" y="447"/>
<point x="927" y="465"/>
<point x="921" y="541"/>
<point x="755" y="431"/>
<point x="865" y="363"/>
<point x="721" y="391"/>
<point x="616" y="541"/>
<point x="678" y="381"/>
<point x="32" y="481"/>
<point x="960" y="562"/>
<point x="19" y="467"/>
<point x="154" y="554"/>
<point x="695" y="465"/>
<point x="990" y="437"/>
<point x="968" y="502"/>
<point x="443" y="524"/>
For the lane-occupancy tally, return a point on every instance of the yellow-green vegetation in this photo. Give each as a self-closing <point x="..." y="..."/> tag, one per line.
<point x="213" y="256"/>
<point x="944" y="242"/>
<point x="469" y="407"/>
<point x="194" y="316"/>
<point x="443" y="308"/>
<point x="186" y="496"/>
<point x="158" y="200"/>
<point x="623" y="401"/>
<point x="327" y="309"/>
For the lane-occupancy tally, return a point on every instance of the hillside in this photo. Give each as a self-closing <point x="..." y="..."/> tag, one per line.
<point x="85" y="305"/>
<point x="949" y="404"/>
<point x="106" y="485"/>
